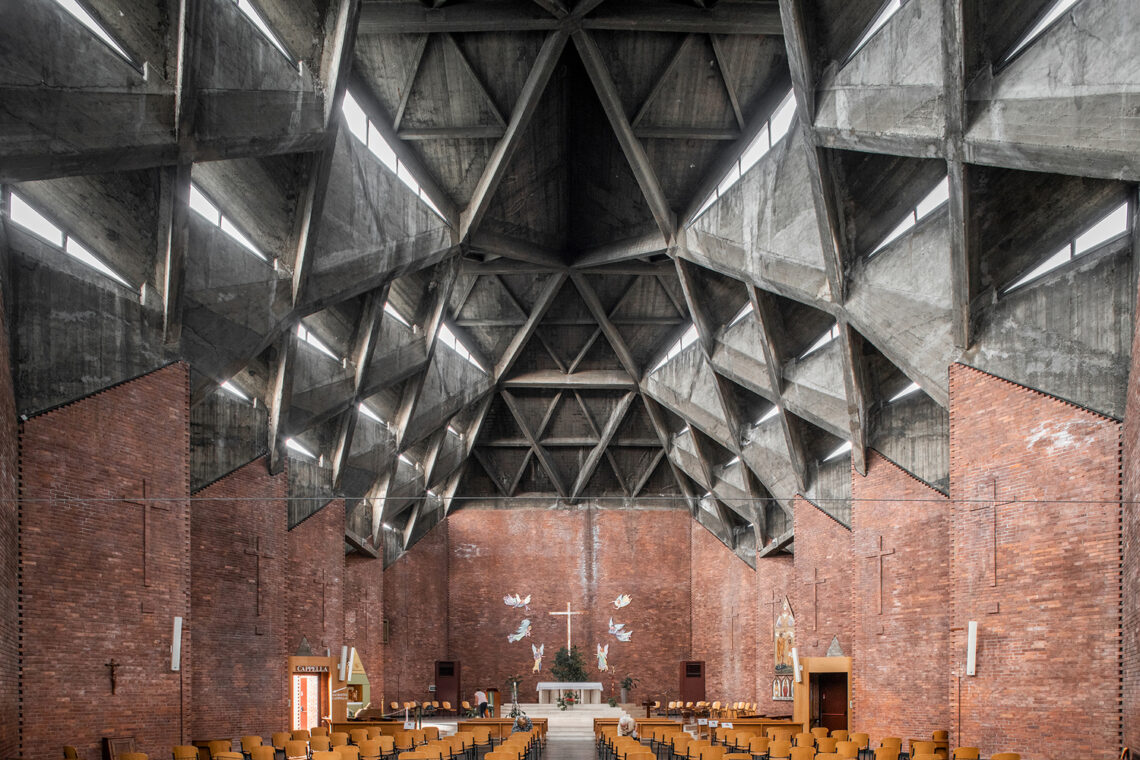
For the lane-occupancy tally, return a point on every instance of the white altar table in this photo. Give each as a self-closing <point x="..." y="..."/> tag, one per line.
<point x="587" y="693"/>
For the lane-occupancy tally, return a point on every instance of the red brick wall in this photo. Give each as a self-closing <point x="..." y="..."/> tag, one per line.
<point x="546" y="554"/>
<point x="823" y="553"/>
<point x="415" y="604"/>
<point x="775" y="579"/>
<point x="724" y="622"/>
<point x="364" y="616"/>
<point x="1131" y="506"/>
<point x="316" y="569"/>
<point x="641" y="553"/>
<point x="1049" y="657"/>
<point x="239" y="679"/>
<point x="898" y="679"/>
<point x="9" y="640"/>
<point x="81" y="563"/>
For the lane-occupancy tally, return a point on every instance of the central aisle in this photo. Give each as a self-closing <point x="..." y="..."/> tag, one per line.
<point x="570" y="734"/>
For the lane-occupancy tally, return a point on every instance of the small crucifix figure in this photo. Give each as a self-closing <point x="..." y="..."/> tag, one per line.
<point x="568" y="614"/>
<point x="147" y="505"/>
<point x="815" y="584"/>
<point x="113" y="666"/>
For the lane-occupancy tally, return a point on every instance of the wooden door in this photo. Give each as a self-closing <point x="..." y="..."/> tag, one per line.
<point x="692" y="681"/>
<point x="832" y="691"/>
<point x="447" y="682"/>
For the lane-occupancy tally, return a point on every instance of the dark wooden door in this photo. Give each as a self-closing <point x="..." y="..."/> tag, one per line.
<point x="447" y="682"/>
<point x="692" y="681"/>
<point x="833" y="701"/>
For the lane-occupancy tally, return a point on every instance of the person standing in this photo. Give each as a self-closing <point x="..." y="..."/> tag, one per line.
<point x="481" y="701"/>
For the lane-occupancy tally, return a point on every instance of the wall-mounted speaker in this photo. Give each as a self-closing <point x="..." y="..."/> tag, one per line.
<point x="343" y="661"/>
<point x="972" y="648"/>
<point x="176" y="645"/>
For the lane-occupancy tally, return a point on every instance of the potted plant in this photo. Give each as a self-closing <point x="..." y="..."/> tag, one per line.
<point x="627" y="683"/>
<point x="566" y="700"/>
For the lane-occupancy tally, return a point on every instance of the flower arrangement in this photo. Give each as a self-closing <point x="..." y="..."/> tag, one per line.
<point x="566" y="700"/>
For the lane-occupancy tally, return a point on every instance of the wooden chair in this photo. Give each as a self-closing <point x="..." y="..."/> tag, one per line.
<point x="319" y="731"/>
<point x="940" y="736"/>
<point x="69" y="752"/>
<point x="338" y="738"/>
<point x="264" y="752"/>
<point x="921" y="748"/>
<point x="819" y="732"/>
<point x="679" y="746"/>
<point x="419" y="737"/>
<point x="279" y="738"/>
<point x="248" y="742"/>
<point x="713" y="752"/>
<point x="803" y="740"/>
<point x="780" y="749"/>
<point x="404" y="741"/>
<point x="217" y="747"/>
<point x="758" y="746"/>
<point x="888" y="752"/>
<point x="412" y="755"/>
<point x="924" y="756"/>
<point x="228" y="756"/>
<point x="181" y="752"/>
<point x="300" y="734"/>
<point x="431" y="732"/>
<point x="778" y="734"/>
<point x="839" y="734"/>
<point x="347" y="751"/>
<point x="320" y="744"/>
<point x="803" y="753"/>
<point x="862" y="739"/>
<point x="966" y="753"/>
<point x="297" y="749"/>
<point x="325" y="755"/>
<point x="358" y="735"/>
<point x="847" y="749"/>
<point x="1006" y="756"/>
<point x="131" y="756"/>
<point x="892" y="741"/>
<point x="369" y="749"/>
<point x="825" y="745"/>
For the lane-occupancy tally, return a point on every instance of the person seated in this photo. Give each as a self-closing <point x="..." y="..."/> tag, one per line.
<point x="522" y="725"/>
<point x="626" y="727"/>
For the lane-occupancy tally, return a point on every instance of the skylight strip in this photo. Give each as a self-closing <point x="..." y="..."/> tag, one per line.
<point x="742" y="314"/>
<point x="364" y="130"/>
<point x="824" y="339"/>
<point x="391" y="311"/>
<point x="884" y="15"/>
<point x="907" y="391"/>
<point x="772" y="132"/>
<point x="930" y="203"/>
<point x="209" y="211"/>
<point x="27" y="216"/>
<point x="233" y="390"/>
<point x="250" y="12"/>
<point x="1110" y="226"/>
<point x="304" y="334"/>
<point x="688" y="338"/>
<point x="367" y="412"/>
<point x="840" y="451"/>
<point x="1054" y="13"/>
<point x="83" y="16"/>
<point x="294" y="445"/>
<point x="447" y="337"/>
<point x="768" y="415"/>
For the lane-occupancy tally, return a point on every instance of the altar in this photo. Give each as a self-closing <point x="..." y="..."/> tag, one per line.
<point x="586" y="693"/>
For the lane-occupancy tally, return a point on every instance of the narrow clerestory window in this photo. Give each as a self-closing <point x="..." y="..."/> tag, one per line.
<point x="1112" y="225"/>
<point x="448" y="338"/>
<point x="930" y="203"/>
<point x="688" y="338"/>
<point x="201" y="204"/>
<point x="1046" y="20"/>
<point x="33" y="220"/>
<point x="881" y="18"/>
<point x="251" y="12"/>
<point x="85" y="16"/>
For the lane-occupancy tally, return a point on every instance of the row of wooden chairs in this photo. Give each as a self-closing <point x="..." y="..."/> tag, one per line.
<point x="440" y="708"/>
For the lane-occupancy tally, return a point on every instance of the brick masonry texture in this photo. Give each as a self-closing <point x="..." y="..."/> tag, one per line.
<point x="9" y="640"/>
<point x="239" y="678"/>
<point x="83" y="595"/>
<point x="415" y="604"/>
<point x="1131" y="564"/>
<point x="1048" y="658"/>
<point x="898" y="684"/>
<point x="823" y="611"/>
<point x="364" y="616"/>
<point x="314" y="587"/>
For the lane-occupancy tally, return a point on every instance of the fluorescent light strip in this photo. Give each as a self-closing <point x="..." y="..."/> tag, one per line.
<point x="364" y="130"/>
<point x="27" y="216"/>
<point x="83" y="16"/>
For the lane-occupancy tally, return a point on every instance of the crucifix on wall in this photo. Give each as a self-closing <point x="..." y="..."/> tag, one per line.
<point x="113" y="666"/>
<point x="995" y="606"/>
<point x="257" y="552"/>
<point x="569" y="618"/>
<point x="815" y="582"/>
<point x="147" y="505"/>
<point x="879" y="554"/>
